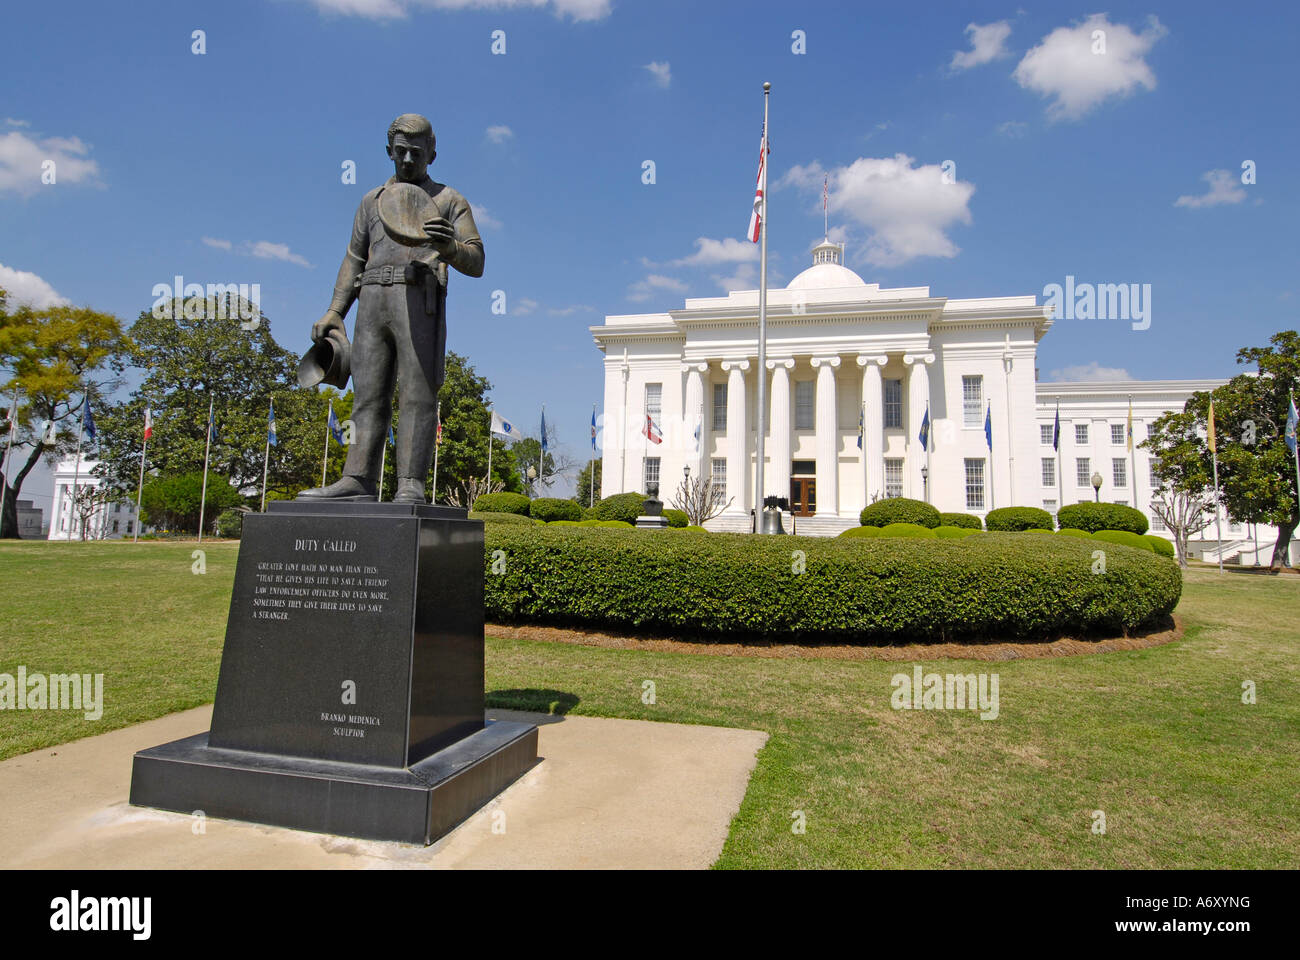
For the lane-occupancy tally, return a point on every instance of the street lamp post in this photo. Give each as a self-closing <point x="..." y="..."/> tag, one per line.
<point x="925" y="483"/>
<point x="1096" y="486"/>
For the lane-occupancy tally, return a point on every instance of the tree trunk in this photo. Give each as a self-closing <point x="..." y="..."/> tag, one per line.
<point x="1280" y="548"/>
<point x="9" y="521"/>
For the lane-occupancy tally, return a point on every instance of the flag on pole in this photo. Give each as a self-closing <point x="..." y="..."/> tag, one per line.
<point x="593" y="427"/>
<point x="390" y="434"/>
<point x="504" y="427"/>
<point x="924" y="435"/>
<point x="756" y="216"/>
<point x="1056" y="430"/>
<point x="212" y="426"/>
<point x="651" y="430"/>
<point x="437" y="439"/>
<point x="336" y="428"/>
<point x="543" y="431"/>
<point x="1130" y="424"/>
<point x="699" y="424"/>
<point x="862" y="414"/>
<point x="87" y="419"/>
<point x="148" y="423"/>
<point x="1209" y="432"/>
<point x="270" y="425"/>
<point x="988" y="427"/>
<point x="1291" y="421"/>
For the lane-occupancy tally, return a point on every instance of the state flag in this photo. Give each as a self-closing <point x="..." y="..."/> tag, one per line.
<point x="502" y="426"/>
<point x="148" y="423"/>
<point x="756" y="215"/>
<point x="651" y="430"/>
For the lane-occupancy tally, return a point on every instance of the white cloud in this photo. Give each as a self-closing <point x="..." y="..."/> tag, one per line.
<point x="662" y="72"/>
<point x="482" y="218"/>
<point x="654" y="282"/>
<point x="1015" y="129"/>
<point x="17" y="123"/>
<point x="988" y="43"/>
<point x="524" y="306"/>
<point x="1224" y="187"/>
<point x="25" y="287"/>
<point x="576" y="10"/>
<point x="745" y="278"/>
<point x="499" y="133"/>
<point x="219" y="244"/>
<point x="1065" y="67"/>
<point x="907" y="210"/>
<point x="727" y="250"/>
<point x="570" y="310"/>
<point x="22" y="159"/>
<point x="1090" y="372"/>
<point x="266" y="250"/>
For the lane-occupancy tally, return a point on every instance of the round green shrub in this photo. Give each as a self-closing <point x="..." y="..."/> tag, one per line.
<point x="588" y="523"/>
<point x="1160" y="545"/>
<point x="1128" y="539"/>
<point x="616" y="524"/>
<point x="621" y="506"/>
<point x="509" y="518"/>
<point x="231" y="523"/>
<point x="995" y="586"/>
<point x="563" y="523"/>
<point x="1074" y="532"/>
<point x="551" y="508"/>
<point x="502" y="503"/>
<point x="1101" y="516"/>
<point x="968" y="520"/>
<point x="906" y="530"/>
<point x="1014" y="519"/>
<point x="861" y="532"/>
<point x="899" y="510"/>
<point x="954" y="533"/>
<point x="676" y="518"/>
<point x="695" y="528"/>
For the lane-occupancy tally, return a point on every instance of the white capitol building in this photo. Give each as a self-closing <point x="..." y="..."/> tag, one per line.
<point x="836" y="346"/>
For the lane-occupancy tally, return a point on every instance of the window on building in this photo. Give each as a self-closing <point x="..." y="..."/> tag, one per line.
<point x="893" y="477"/>
<point x="1155" y="481"/>
<point x="803" y="405"/>
<point x="1050" y="506"/>
<point x="893" y="404"/>
<point x="129" y="526"/>
<point x="1081" y="433"/>
<point x="1234" y="526"/>
<point x="115" y="526"/>
<point x="1120" y="503"/>
<point x="654" y="402"/>
<point x="1046" y="431"/>
<point x="1156" y="522"/>
<point x="719" y="474"/>
<point x="974" y="484"/>
<point x="1119" y="472"/>
<point x="1049" y="472"/>
<point x="651" y="474"/>
<point x="1083" y="472"/>
<point x="972" y="401"/>
<point x="1117" y="433"/>
<point x="719" y="406"/>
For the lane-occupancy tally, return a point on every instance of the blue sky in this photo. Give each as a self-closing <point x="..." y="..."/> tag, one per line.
<point x="1066" y="163"/>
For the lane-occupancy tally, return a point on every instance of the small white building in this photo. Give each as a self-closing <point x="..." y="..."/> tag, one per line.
<point x="842" y="353"/>
<point x="107" y="521"/>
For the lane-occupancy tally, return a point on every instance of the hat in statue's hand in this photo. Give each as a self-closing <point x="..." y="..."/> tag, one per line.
<point x="329" y="361"/>
<point x="403" y="209"/>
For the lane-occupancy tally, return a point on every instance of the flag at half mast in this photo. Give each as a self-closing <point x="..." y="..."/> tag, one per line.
<point x="756" y="215"/>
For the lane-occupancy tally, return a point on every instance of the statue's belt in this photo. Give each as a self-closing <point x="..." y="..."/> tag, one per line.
<point x="415" y="272"/>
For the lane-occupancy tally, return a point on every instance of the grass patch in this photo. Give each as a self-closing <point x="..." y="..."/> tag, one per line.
<point x="1158" y="739"/>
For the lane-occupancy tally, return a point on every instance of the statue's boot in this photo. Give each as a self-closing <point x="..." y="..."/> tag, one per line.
<point x="348" y="488"/>
<point x="409" y="490"/>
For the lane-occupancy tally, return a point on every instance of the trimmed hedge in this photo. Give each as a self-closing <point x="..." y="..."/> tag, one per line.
<point x="1134" y="540"/>
<point x="954" y="533"/>
<point x="1014" y="519"/>
<point x="968" y="520"/>
<point x="899" y="510"/>
<point x="488" y="516"/>
<point x="549" y="509"/>
<point x="905" y="530"/>
<point x="1072" y="532"/>
<point x="621" y="506"/>
<point x="1160" y="545"/>
<point x="995" y="586"/>
<point x="676" y="518"/>
<point x="860" y="532"/>
<point x="1101" y="516"/>
<point x="502" y="503"/>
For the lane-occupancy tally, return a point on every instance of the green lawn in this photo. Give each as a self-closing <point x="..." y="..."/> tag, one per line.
<point x="1158" y="739"/>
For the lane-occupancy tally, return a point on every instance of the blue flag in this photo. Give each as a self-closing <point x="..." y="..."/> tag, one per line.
<point x="1056" y="430"/>
<point x="593" y="430"/>
<point x="988" y="427"/>
<point x="390" y="434"/>
<point x="1291" y="420"/>
<point x="86" y="419"/>
<point x="543" y="431"/>
<point x="270" y="425"/>
<point x="861" y="425"/>
<point x="334" y="426"/>
<point x="924" y="435"/>
<point x="212" y="427"/>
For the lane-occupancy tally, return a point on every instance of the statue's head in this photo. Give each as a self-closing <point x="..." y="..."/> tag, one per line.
<point x="411" y="147"/>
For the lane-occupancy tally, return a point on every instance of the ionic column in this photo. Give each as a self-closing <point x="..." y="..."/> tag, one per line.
<point x="828" y="440"/>
<point x="737" y="436"/>
<point x="873" y="424"/>
<point x="918" y="390"/>
<point x="693" y="417"/>
<point x="778" y="474"/>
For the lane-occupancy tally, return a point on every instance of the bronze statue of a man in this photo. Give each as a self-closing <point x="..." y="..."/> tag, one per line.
<point x="403" y="237"/>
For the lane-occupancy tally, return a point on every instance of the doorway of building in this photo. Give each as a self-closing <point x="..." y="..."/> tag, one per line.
<point x="803" y="488"/>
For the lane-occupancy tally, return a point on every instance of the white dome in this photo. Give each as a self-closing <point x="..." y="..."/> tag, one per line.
<point x="823" y="275"/>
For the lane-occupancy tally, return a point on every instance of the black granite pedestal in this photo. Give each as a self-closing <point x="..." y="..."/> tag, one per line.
<point x="350" y="698"/>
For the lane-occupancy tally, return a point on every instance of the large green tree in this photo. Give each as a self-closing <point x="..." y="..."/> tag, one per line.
<point x="1184" y="490"/>
<point x="52" y="358"/>
<point x="463" y="453"/>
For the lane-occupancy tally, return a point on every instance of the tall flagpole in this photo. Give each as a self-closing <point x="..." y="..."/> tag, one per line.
<point x="76" y="471"/>
<point x="591" y="463"/>
<point x="1132" y="454"/>
<point x="1060" y="479"/>
<point x="1296" y="452"/>
<point x="9" y="453"/>
<point x="266" y="457"/>
<point x="139" y="490"/>
<point x="207" y="450"/>
<point x="437" y="442"/>
<point x="383" y="459"/>
<point x="489" y="473"/>
<point x="759" y="450"/>
<point x="1218" y="511"/>
<point x="326" y="459"/>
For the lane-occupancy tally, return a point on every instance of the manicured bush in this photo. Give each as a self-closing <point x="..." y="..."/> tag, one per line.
<point x="1134" y="540"/>
<point x="861" y="532"/>
<point x="1101" y="516"/>
<point x="563" y="523"/>
<point x="1073" y="532"/>
<point x="502" y="503"/>
<point x="231" y="523"/>
<point x="488" y="516"/>
<point x="1014" y="519"/>
<point x="676" y="518"/>
<point x="616" y="524"/>
<point x="905" y="530"/>
<point x="899" y="510"/>
<point x="588" y="522"/>
<point x="961" y="520"/>
<point x="995" y="586"/>
<point x="953" y="533"/>
<point x="1159" y="544"/>
<point x="551" y="508"/>
<point x="695" y="528"/>
<point x="621" y="506"/>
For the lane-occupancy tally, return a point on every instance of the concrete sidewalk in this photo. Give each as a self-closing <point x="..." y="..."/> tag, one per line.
<point x="608" y="794"/>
